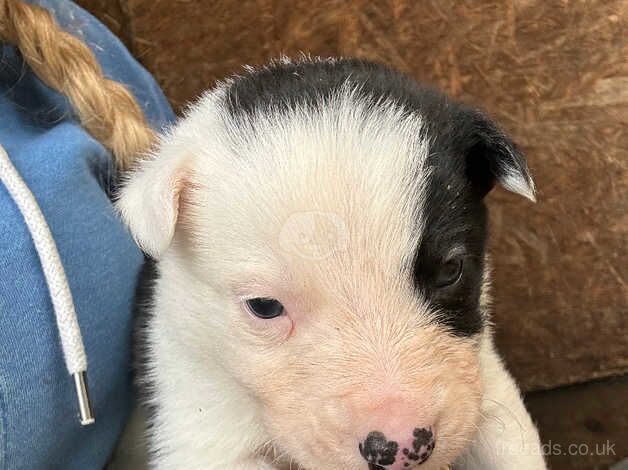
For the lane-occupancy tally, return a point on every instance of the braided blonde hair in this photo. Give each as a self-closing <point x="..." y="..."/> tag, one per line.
<point x="106" y="109"/>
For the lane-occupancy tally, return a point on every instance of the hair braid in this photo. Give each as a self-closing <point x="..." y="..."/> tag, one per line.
<point x="106" y="109"/>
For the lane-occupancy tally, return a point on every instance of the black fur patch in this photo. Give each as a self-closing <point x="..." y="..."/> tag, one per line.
<point x="143" y="314"/>
<point x="468" y="154"/>
<point x="454" y="215"/>
<point x="282" y="86"/>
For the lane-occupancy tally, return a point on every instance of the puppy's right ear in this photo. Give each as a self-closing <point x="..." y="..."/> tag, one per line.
<point x="149" y="202"/>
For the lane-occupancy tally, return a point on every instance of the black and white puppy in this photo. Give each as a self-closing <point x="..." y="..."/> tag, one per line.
<point x="320" y="299"/>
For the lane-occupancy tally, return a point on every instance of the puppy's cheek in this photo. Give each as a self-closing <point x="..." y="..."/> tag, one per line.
<point x="269" y="332"/>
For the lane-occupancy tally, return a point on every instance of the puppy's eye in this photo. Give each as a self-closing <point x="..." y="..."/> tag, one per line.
<point x="449" y="272"/>
<point x="264" y="307"/>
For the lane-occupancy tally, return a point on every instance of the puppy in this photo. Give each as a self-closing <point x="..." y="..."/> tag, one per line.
<point x="320" y="289"/>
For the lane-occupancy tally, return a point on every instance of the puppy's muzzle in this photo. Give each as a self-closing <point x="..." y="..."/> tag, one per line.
<point x="411" y="448"/>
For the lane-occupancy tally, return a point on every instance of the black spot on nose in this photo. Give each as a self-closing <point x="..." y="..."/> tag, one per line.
<point x="422" y="445"/>
<point x="378" y="451"/>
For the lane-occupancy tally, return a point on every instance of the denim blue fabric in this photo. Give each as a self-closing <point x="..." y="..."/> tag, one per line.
<point x="68" y="172"/>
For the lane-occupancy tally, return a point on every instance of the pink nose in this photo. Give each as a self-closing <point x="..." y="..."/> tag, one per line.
<point x="397" y="452"/>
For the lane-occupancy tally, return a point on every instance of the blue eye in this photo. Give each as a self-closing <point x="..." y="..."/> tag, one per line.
<point x="449" y="273"/>
<point x="265" y="308"/>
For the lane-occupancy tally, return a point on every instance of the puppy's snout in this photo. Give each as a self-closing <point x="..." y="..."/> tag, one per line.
<point x="397" y="439"/>
<point x="405" y="449"/>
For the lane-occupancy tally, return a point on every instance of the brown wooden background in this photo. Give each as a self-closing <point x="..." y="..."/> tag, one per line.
<point x="555" y="75"/>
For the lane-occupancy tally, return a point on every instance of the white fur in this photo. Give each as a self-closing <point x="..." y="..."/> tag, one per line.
<point x="507" y="437"/>
<point x="149" y="202"/>
<point x="212" y="206"/>
<point x="516" y="182"/>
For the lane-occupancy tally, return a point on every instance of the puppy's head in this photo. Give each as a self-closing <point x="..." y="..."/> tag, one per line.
<point x="323" y="228"/>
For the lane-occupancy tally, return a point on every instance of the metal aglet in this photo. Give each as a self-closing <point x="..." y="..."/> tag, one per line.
<point x="82" y="393"/>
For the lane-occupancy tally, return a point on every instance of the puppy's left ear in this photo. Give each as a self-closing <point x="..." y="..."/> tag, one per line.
<point x="491" y="157"/>
<point x="149" y="201"/>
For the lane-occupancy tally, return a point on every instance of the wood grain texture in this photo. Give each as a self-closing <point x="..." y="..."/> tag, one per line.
<point x="583" y="427"/>
<point x="553" y="73"/>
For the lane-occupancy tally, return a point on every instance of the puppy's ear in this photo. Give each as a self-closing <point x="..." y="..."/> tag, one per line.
<point x="149" y="202"/>
<point x="491" y="157"/>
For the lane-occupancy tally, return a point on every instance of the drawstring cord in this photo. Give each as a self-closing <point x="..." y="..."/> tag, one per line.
<point x="67" y="323"/>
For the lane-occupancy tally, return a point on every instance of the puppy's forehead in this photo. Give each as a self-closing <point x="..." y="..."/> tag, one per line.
<point x="363" y="144"/>
<point x="340" y="167"/>
<point x="342" y="176"/>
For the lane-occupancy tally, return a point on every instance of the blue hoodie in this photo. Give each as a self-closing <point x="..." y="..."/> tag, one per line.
<point x="68" y="172"/>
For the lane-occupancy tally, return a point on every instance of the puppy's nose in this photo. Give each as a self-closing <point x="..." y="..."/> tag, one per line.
<point x="401" y="450"/>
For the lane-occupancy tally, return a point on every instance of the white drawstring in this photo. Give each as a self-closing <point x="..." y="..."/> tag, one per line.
<point x="67" y="323"/>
